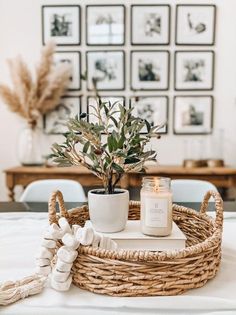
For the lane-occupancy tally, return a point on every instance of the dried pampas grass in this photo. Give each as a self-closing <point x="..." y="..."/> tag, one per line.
<point x="10" y="97"/>
<point x="30" y="97"/>
<point x="44" y="68"/>
<point x="53" y="91"/>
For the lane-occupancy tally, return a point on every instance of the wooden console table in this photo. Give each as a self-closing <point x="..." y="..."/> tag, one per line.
<point x="222" y="177"/>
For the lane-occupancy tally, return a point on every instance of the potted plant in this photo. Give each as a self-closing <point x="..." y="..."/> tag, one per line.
<point x="109" y="147"/>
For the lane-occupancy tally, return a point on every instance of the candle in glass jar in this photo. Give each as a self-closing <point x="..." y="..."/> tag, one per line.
<point x="156" y="206"/>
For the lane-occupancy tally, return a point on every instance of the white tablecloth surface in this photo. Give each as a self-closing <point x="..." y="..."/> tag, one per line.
<point x="20" y="236"/>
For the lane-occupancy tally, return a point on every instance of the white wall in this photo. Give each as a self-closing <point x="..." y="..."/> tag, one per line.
<point x="20" y="33"/>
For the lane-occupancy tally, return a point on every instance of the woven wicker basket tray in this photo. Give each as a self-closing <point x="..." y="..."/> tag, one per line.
<point x="148" y="273"/>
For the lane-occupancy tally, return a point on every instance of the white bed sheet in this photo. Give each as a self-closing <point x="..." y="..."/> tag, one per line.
<point x="20" y="236"/>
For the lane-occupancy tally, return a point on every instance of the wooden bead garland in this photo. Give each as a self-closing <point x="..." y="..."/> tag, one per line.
<point x="72" y="237"/>
<point x="60" y="275"/>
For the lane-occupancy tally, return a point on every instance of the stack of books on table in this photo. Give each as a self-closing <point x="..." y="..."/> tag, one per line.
<point x="131" y="238"/>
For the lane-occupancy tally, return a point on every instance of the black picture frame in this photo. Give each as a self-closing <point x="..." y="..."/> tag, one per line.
<point x="143" y="52"/>
<point x="78" y="88"/>
<point x="104" y="52"/>
<point x="102" y="6"/>
<point x="197" y="88"/>
<point x="163" y="43"/>
<point x="186" y="43"/>
<point x="211" y="98"/>
<point x="50" y="115"/>
<point x="167" y="109"/>
<point x="43" y="19"/>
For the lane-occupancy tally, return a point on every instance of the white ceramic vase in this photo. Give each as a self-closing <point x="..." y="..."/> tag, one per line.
<point x="108" y="212"/>
<point x="29" y="146"/>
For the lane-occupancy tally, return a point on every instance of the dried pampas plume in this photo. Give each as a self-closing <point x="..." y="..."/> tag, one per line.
<point x="44" y="67"/>
<point x="31" y="97"/>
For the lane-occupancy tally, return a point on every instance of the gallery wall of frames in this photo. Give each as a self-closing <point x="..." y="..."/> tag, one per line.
<point x="126" y="49"/>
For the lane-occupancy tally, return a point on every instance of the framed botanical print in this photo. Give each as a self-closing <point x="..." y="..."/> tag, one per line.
<point x="152" y="108"/>
<point x="61" y="23"/>
<point x="195" y="24"/>
<point x="150" y="70"/>
<point x="194" y="70"/>
<point x="193" y="114"/>
<point x="105" y="24"/>
<point x="150" y="24"/>
<point x="73" y="59"/>
<point x="106" y="68"/>
<point x="55" y="122"/>
<point x="92" y="104"/>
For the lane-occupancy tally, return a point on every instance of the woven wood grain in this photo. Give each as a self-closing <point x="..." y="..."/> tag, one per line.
<point x="149" y="273"/>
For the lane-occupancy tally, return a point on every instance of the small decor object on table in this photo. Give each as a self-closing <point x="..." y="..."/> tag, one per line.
<point x="61" y="23"/>
<point x="217" y="149"/>
<point x="195" y="24"/>
<point x="150" y="24"/>
<point x="131" y="238"/>
<point x="194" y="70"/>
<point x="121" y="150"/>
<point x="193" y="114"/>
<point x="32" y="98"/>
<point x="157" y="273"/>
<point x="108" y="68"/>
<point x="156" y="206"/>
<point x="190" y="163"/>
<point x="150" y="70"/>
<point x="105" y="24"/>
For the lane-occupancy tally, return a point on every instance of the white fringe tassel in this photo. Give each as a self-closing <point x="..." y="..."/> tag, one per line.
<point x="11" y="291"/>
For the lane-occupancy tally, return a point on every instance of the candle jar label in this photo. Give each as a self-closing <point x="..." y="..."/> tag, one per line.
<point x="156" y="212"/>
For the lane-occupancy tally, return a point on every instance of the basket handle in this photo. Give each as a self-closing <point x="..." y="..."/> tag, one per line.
<point x="52" y="210"/>
<point x="218" y="206"/>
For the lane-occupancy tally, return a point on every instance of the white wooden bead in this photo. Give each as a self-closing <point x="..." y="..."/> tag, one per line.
<point x="60" y="276"/>
<point x="44" y="270"/>
<point x="96" y="240"/>
<point x="55" y="231"/>
<point x="85" y="236"/>
<point x="75" y="228"/>
<point x="70" y="241"/>
<point x="108" y="243"/>
<point x="47" y="235"/>
<point x="62" y="266"/>
<point x="67" y="255"/>
<point x="103" y="242"/>
<point x="88" y="223"/>
<point x="61" y="286"/>
<point x="49" y="243"/>
<point x="113" y="245"/>
<point x="64" y="225"/>
<point x="79" y="234"/>
<point x="44" y="253"/>
<point x="41" y="262"/>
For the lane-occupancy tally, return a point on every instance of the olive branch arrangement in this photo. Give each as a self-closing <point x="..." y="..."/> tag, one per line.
<point x="109" y="147"/>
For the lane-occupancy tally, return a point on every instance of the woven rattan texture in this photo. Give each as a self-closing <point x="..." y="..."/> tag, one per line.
<point x="147" y="273"/>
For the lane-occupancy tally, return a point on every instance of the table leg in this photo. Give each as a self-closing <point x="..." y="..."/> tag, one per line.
<point x="124" y="182"/>
<point x="10" y="186"/>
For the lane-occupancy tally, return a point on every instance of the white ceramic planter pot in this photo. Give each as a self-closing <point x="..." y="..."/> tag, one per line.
<point x="108" y="213"/>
